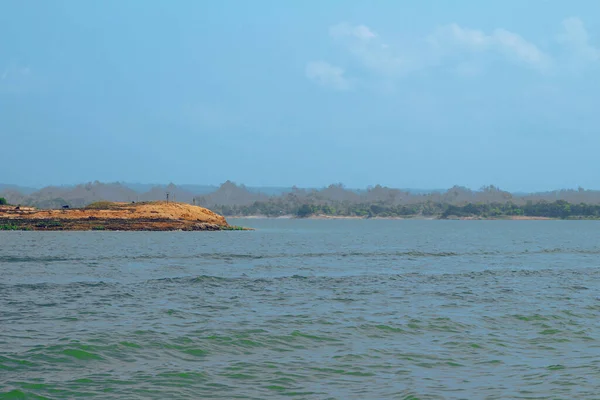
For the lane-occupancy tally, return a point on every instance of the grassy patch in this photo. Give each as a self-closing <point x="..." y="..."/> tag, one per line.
<point x="234" y="228"/>
<point x="103" y="205"/>
<point x="13" y="227"/>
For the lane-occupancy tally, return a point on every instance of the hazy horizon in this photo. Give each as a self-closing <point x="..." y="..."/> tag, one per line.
<point x="150" y="185"/>
<point x="425" y="94"/>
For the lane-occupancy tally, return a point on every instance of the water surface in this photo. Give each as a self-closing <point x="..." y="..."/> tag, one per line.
<point x="306" y="309"/>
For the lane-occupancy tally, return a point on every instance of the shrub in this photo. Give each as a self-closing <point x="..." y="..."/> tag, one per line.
<point x="234" y="228"/>
<point x="48" y="224"/>
<point x="8" y="227"/>
<point x="304" y="211"/>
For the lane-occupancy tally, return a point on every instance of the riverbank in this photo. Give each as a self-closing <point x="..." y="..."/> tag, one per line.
<point x="415" y="217"/>
<point x="147" y="216"/>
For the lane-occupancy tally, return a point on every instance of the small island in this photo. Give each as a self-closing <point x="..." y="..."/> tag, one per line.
<point x="113" y="216"/>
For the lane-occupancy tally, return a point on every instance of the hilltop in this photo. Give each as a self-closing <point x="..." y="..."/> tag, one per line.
<point x="146" y="216"/>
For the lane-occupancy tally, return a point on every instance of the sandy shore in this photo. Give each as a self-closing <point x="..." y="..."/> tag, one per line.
<point x="417" y="217"/>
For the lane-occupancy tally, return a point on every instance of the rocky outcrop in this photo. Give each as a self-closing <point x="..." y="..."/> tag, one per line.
<point x="148" y="216"/>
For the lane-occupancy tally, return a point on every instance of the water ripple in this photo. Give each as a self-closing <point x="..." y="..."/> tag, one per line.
<point x="418" y="312"/>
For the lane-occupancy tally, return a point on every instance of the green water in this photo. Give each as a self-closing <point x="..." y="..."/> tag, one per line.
<point x="304" y="309"/>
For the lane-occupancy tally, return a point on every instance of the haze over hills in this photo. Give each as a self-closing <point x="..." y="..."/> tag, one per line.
<point x="232" y="199"/>
<point x="20" y="189"/>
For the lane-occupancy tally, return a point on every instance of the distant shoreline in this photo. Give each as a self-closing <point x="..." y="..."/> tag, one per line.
<point x="335" y="202"/>
<point x="420" y="218"/>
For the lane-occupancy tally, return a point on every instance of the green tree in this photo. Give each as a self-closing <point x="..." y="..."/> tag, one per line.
<point x="3" y="201"/>
<point x="304" y="211"/>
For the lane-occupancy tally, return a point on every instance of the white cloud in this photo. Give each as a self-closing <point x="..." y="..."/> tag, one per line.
<point x="326" y="74"/>
<point x="14" y="71"/>
<point x="17" y="79"/>
<point x="345" y="29"/>
<point x="451" y="39"/>
<point x="368" y="48"/>
<point x="463" y="50"/>
<point x="515" y="46"/>
<point x="576" y="39"/>
<point x="443" y="42"/>
<point x="452" y="36"/>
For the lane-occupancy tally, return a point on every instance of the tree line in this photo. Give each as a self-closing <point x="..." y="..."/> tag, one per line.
<point x="556" y="209"/>
<point x="233" y="199"/>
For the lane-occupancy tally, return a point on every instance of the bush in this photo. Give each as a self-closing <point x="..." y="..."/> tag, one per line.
<point x="48" y="224"/>
<point x="3" y="201"/>
<point x="305" y="211"/>
<point x="8" y="227"/>
<point x="234" y="228"/>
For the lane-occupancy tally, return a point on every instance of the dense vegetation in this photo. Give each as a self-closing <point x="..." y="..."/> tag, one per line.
<point x="9" y="227"/>
<point x="3" y="201"/>
<point x="231" y="199"/>
<point x="557" y="209"/>
<point x="342" y="209"/>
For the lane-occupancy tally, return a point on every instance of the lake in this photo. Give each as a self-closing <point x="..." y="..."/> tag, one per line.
<point x="304" y="309"/>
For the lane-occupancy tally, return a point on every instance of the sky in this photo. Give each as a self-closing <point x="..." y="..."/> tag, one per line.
<point x="421" y="94"/>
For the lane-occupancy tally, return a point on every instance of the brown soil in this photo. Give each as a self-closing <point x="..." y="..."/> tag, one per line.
<point x="154" y="216"/>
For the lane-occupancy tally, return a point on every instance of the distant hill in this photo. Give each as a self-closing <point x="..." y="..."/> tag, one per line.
<point x="230" y="196"/>
<point x="16" y="188"/>
<point x="145" y="187"/>
<point x="176" y="193"/>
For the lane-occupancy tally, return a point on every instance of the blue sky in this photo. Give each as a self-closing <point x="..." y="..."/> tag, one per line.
<point x="421" y="94"/>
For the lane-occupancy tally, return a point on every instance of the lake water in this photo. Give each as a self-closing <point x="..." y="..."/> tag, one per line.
<point x="305" y="309"/>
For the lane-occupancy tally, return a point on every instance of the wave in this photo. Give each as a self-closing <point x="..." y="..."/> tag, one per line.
<point x="31" y="259"/>
<point x="228" y="256"/>
<point x="215" y="280"/>
<point x="52" y="286"/>
<point x="426" y="276"/>
<point x="339" y="254"/>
